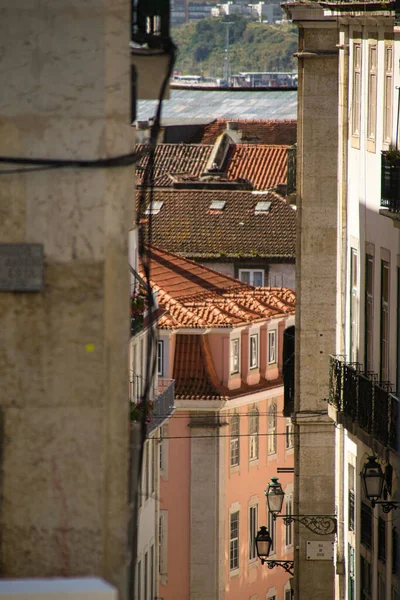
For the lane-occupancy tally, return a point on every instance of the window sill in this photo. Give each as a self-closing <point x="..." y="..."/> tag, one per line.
<point x="253" y="563"/>
<point x="253" y="368"/>
<point x="235" y="468"/>
<point x="254" y="462"/>
<point x="273" y="362"/>
<point x="234" y="572"/>
<point x="272" y="455"/>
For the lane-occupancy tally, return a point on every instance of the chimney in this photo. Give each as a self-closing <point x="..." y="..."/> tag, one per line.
<point x="232" y="126"/>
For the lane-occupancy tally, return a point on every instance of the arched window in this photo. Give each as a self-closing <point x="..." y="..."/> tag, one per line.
<point x="272" y="429"/>
<point x="253" y="431"/>
<point x="235" y="439"/>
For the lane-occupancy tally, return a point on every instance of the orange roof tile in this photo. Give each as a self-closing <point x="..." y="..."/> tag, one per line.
<point x="195" y="296"/>
<point x="258" y="131"/>
<point x="265" y="166"/>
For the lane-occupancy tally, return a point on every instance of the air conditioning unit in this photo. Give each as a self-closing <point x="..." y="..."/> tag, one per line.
<point x="83" y="588"/>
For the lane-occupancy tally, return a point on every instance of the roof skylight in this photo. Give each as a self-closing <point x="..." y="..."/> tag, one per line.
<point x="154" y="208"/>
<point x="217" y="205"/>
<point x="262" y="207"/>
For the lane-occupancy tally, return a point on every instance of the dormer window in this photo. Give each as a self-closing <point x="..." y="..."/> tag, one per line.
<point x="153" y="208"/>
<point x="254" y="351"/>
<point x="262" y="208"/>
<point x="235" y="356"/>
<point x="218" y="205"/>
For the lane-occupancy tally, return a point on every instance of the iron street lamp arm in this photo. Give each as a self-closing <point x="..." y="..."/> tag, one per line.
<point x="319" y="524"/>
<point x="386" y="506"/>
<point x="288" y="565"/>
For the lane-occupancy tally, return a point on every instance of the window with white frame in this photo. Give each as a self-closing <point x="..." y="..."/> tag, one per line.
<point x="254" y="351"/>
<point x="253" y="519"/>
<point x="252" y="276"/>
<point x="234" y="541"/>
<point x="388" y="93"/>
<point x="288" y="434"/>
<point x="162" y="542"/>
<point x="235" y="356"/>
<point x="272" y="429"/>
<point x="271" y="347"/>
<point x="288" y="526"/>
<point x="356" y="99"/>
<point x="353" y="305"/>
<point x="160" y="358"/>
<point x="235" y="439"/>
<point x="253" y="434"/>
<point x="372" y="91"/>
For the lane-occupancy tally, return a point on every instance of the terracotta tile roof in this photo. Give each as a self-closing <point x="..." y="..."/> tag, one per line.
<point x="195" y="296"/>
<point x="187" y="226"/>
<point x="174" y="158"/>
<point x="260" y="132"/>
<point x="265" y="166"/>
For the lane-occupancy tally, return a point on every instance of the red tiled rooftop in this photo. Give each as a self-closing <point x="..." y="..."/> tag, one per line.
<point x="195" y="296"/>
<point x="173" y="158"/>
<point x="187" y="226"/>
<point x="265" y="166"/>
<point x="256" y="131"/>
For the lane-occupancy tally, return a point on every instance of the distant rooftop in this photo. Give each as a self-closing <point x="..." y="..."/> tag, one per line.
<point x="226" y="104"/>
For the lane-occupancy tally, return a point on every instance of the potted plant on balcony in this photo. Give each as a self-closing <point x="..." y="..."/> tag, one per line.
<point x="138" y="307"/>
<point x="141" y="408"/>
<point x="392" y="155"/>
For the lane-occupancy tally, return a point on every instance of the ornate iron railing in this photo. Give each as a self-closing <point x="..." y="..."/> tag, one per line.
<point x="163" y="405"/>
<point x="365" y="400"/>
<point x="390" y="183"/>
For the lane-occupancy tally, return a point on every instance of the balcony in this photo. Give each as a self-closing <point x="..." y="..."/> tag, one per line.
<point x="159" y="409"/>
<point x="163" y="405"/>
<point x="390" y="185"/>
<point x="360" y="398"/>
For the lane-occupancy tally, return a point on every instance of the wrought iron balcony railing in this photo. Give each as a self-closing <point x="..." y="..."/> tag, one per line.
<point x="163" y="405"/>
<point x="390" y="182"/>
<point x="366" y="401"/>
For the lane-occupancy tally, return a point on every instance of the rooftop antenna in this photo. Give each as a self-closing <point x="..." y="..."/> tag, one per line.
<point x="226" y="64"/>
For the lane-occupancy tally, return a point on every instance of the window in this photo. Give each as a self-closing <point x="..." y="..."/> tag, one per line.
<point x="288" y="595"/>
<point x="253" y="431"/>
<point x="252" y="276"/>
<point x="254" y="351"/>
<point x="288" y="434"/>
<point x="154" y="208"/>
<point x="369" y="311"/>
<point x="384" y="341"/>
<point x="139" y="580"/>
<point x="253" y="532"/>
<point x="272" y="530"/>
<point x="395" y="549"/>
<point x="160" y="358"/>
<point x="152" y="573"/>
<point x="381" y="539"/>
<point x="366" y="525"/>
<point x="381" y="587"/>
<point x="153" y="466"/>
<point x="351" y="497"/>
<point x="162" y="542"/>
<point x="234" y="541"/>
<point x="146" y="576"/>
<point x="235" y="439"/>
<point x="235" y="356"/>
<point x="271" y="347"/>
<point x="288" y="526"/>
<point x="371" y="111"/>
<point x="365" y="591"/>
<point x="356" y="98"/>
<point x="272" y="429"/>
<point x="146" y="468"/>
<point x="388" y="92"/>
<point x="353" y="305"/>
<point x="351" y="586"/>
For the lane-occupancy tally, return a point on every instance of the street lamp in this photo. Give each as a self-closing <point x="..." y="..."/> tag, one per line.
<point x="319" y="524"/>
<point x="263" y="545"/>
<point x="373" y="480"/>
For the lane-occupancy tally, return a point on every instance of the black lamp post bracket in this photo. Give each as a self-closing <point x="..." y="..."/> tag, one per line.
<point x="319" y="524"/>
<point x="287" y="565"/>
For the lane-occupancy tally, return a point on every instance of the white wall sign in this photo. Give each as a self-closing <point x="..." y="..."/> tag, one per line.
<point x="320" y="550"/>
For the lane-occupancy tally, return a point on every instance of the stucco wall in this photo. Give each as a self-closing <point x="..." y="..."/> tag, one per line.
<point x="64" y="351"/>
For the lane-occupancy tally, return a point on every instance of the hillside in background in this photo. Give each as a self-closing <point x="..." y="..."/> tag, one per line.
<point x="253" y="47"/>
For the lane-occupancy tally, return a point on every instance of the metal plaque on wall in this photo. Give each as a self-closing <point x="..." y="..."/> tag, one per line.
<point x="21" y="267"/>
<point x="320" y="550"/>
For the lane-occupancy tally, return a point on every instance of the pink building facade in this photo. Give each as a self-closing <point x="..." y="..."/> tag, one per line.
<point x="221" y="341"/>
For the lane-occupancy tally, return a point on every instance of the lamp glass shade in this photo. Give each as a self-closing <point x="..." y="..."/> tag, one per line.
<point x="274" y="495"/>
<point x="372" y="478"/>
<point x="263" y="543"/>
